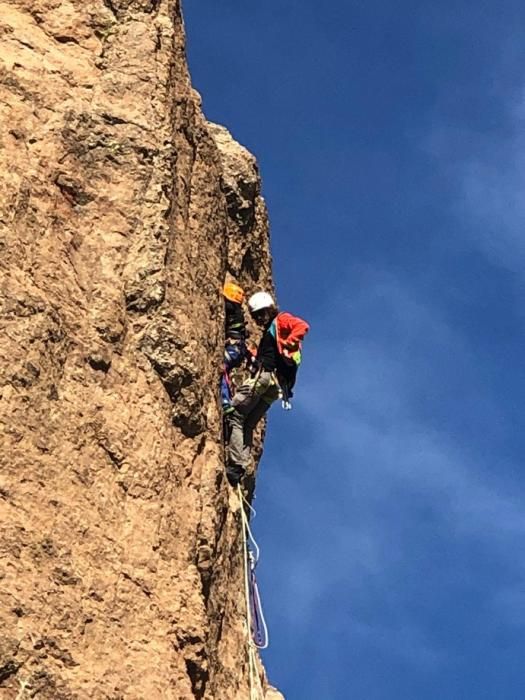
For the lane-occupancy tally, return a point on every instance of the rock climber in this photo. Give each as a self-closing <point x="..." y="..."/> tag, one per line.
<point x="235" y="340"/>
<point x="278" y="355"/>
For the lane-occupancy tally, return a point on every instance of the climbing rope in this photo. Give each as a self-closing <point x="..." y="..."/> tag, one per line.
<point x="259" y="627"/>
<point x="248" y="505"/>
<point x="247" y="529"/>
<point x="256" y="689"/>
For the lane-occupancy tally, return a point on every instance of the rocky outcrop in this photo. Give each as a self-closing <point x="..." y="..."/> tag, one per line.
<point x="122" y="211"/>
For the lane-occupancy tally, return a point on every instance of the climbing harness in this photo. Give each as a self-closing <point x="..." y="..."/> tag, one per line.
<point x="256" y="628"/>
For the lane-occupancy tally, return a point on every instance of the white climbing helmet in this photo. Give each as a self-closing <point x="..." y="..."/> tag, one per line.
<point x="260" y="301"/>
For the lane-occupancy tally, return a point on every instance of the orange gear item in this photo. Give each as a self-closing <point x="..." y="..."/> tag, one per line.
<point x="233" y="292"/>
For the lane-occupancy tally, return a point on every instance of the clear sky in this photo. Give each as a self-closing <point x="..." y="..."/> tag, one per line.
<point x="391" y="510"/>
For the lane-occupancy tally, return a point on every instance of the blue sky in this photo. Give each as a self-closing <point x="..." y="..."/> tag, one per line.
<point x="390" y="502"/>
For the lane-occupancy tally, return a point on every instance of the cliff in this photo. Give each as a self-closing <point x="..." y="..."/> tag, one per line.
<point x="122" y="212"/>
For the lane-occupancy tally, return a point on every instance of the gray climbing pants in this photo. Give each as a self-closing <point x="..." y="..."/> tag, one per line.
<point x="251" y="401"/>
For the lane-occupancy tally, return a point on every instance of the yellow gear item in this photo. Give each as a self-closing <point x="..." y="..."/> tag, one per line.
<point x="233" y="292"/>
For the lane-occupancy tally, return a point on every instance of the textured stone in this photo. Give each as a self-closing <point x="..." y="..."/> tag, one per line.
<point x="122" y="212"/>
<point x="273" y="694"/>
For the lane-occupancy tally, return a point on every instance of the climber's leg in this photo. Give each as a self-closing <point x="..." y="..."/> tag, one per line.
<point x="244" y="401"/>
<point x="238" y="451"/>
<point x="258" y="411"/>
<point x="251" y="402"/>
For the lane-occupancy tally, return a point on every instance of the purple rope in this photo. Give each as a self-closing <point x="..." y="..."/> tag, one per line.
<point x="259" y="629"/>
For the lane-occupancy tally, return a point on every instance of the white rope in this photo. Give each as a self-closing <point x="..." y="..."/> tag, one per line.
<point x="256" y="690"/>
<point x="250" y="535"/>
<point x="263" y="621"/>
<point x="250" y="507"/>
<point x="255" y="561"/>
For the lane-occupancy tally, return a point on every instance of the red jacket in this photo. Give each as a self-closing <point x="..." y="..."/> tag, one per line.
<point x="290" y="332"/>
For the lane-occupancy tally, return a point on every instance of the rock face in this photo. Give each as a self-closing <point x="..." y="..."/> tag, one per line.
<point x="122" y="212"/>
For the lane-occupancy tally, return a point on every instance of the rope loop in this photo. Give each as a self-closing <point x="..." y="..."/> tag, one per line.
<point x="256" y="689"/>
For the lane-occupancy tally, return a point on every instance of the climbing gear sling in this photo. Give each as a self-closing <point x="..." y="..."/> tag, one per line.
<point x="259" y="628"/>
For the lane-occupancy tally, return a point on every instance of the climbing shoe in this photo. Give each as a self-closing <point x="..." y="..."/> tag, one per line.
<point x="234" y="473"/>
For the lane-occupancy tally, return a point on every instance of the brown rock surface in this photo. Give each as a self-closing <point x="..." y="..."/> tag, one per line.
<point x="122" y="211"/>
